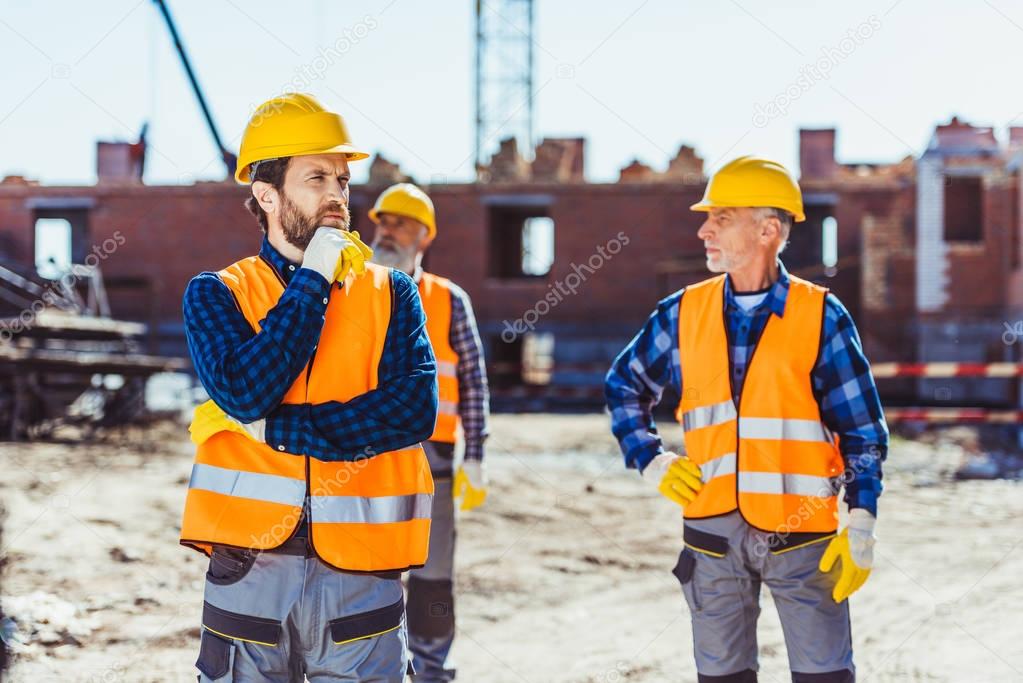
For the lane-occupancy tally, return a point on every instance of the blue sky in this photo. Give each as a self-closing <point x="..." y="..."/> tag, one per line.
<point x="637" y="79"/>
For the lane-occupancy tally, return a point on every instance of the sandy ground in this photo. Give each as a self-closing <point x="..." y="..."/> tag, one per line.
<point x="564" y="575"/>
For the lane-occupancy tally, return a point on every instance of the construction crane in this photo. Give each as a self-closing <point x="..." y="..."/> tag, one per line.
<point x="504" y="76"/>
<point x="230" y="159"/>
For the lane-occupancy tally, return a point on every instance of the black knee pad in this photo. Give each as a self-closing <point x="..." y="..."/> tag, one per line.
<point x="431" y="607"/>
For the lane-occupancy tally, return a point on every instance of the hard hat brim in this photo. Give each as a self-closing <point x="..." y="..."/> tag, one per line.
<point x="706" y="206"/>
<point x="351" y="153"/>
<point x="374" y="215"/>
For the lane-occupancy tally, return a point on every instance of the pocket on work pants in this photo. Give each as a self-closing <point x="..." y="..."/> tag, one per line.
<point x="376" y="622"/>
<point x="227" y="635"/>
<point x="683" y="571"/>
<point x="370" y="645"/>
<point x="216" y="655"/>
<point x="697" y="543"/>
<point x="229" y="565"/>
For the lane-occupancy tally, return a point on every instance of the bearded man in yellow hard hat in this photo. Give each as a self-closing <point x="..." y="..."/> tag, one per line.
<point x="406" y="226"/>
<point x="779" y="411"/>
<point x="310" y="492"/>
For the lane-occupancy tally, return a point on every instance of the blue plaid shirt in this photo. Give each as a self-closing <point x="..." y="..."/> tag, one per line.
<point x="845" y="390"/>
<point x="247" y="374"/>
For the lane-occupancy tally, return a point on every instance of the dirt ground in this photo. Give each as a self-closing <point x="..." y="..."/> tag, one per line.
<point x="564" y="575"/>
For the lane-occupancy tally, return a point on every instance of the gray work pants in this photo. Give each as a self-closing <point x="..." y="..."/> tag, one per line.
<point x="276" y="618"/>
<point x="721" y="570"/>
<point x="431" y="608"/>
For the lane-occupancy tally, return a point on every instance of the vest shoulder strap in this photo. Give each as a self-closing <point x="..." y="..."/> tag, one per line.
<point x="255" y="286"/>
<point x="698" y="297"/>
<point x="430" y="283"/>
<point x="376" y="276"/>
<point x="807" y="286"/>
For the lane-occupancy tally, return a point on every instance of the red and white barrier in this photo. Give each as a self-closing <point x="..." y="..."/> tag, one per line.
<point x="954" y="415"/>
<point x="950" y="370"/>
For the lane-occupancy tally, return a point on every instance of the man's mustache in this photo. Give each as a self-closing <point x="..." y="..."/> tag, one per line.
<point x="339" y="209"/>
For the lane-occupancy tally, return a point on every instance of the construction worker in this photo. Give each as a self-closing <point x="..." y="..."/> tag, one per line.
<point x="405" y="229"/>
<point x="310" y="492"/>
<point x="779" y="410"/>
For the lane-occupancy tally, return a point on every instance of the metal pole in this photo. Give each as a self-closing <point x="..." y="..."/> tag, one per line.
<point x="531" y="141"/>
<point x="479" y="86"/>
<point x="228" y="157"/>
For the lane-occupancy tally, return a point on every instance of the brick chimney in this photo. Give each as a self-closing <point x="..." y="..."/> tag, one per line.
<point x="637" y="172"/>
<point x="119" y="162"/>
<point x="559" y="160"/>
<point x="817" y="153"/>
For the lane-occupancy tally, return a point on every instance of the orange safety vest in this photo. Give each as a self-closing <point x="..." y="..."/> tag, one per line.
<point x="367" y="514"/>
<point x="771" y="456"/>
<point x="435" y="292"/>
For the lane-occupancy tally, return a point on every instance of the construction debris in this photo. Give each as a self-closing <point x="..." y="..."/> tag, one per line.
<point x="64" y="359"/>
<point x="45" y="619"/>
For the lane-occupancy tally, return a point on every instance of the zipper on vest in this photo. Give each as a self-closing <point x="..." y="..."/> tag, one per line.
<point x="307" y="504"/>
<point x="731" y="394"/>
<point x="307" y="508"/>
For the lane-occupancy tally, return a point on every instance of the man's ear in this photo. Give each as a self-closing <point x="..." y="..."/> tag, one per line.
<point x="426" y="241"/>
<point x="266" y="196"/>
<point x="770" y="229"/>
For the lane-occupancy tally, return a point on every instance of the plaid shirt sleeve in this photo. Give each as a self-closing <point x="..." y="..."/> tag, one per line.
<point x="246" y="373"/>
<point x="473" y="393"/>
<point x="636" y="380"/>
<point x="399" y="412"/>
<point x="850" y="406"/>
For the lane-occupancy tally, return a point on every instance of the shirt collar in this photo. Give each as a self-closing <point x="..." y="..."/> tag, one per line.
<point x="285" y="268"/>
<point x="776" y="295"/>
<point x="417" y="276"/>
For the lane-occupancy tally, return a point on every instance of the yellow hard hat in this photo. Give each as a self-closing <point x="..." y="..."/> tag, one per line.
<point x="405" y="199"/>
<point x="293" y="125"/>
<point x="753" y="181"/>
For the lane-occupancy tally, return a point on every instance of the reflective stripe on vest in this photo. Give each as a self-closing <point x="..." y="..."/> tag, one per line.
<point x="707" y="416"/>
<point x="787" y="430"/>
<point x="271" y="488"/>
<point x="378" y="510"/>
<point x="771" y="457"/>
<point x="435" y="292"/>
<point x="721" y="466"/>
<point x="367" y="513"/>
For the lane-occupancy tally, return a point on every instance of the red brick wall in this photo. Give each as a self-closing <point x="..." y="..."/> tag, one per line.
<point x="172" y="233"/>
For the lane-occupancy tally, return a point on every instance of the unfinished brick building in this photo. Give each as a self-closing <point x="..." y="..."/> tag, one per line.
<point x="925" y="252"/>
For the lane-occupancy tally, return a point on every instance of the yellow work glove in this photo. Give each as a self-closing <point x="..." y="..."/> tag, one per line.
<point x="676" y="476"/>
<point x="209" y="419"/>
<point x="855" y="547"/>
<point x="470" y="484"/>
<point x="353" y="257"/>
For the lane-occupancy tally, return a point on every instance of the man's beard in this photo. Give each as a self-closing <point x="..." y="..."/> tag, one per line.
<point x="730" y="262"/>
<point x="393" y="256"/>
<point x="299" y="228"/>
